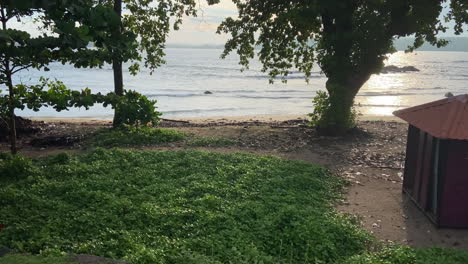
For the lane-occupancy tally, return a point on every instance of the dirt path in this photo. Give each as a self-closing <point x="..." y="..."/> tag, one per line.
<point x="371" y="159"/>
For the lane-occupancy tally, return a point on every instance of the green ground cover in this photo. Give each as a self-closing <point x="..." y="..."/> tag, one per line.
<point x="407" y="255"/>
<point x="211" y="142"/>
<point x="178" y="207"/>
<point x="131" y="136"/>
<point x="185" y="207"/>
<point x="20" y="259"/>
<point x="147" y="136"/>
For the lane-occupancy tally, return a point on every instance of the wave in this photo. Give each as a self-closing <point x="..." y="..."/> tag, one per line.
<point x="257" y="77"/>
<point x="186" y="111"/>
<point x="393" y="94"/>
<point x="423" y="89"/>
<point x="172" y="95"/>
<point x="152" y="96"/>
<point x="381" y="105"/>
<point x="285" y="94"/>
<point x="185" y="66"/>
<point x="273" y="97"/>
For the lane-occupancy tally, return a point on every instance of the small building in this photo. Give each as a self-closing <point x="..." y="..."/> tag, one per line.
<point x="436" y="167"/>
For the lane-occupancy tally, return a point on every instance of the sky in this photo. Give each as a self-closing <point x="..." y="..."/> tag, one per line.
<point x="201" y="30"/>
<point x="195" y="31"/>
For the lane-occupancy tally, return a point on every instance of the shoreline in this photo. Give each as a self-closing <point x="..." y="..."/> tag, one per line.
<point x="212" y="119"/>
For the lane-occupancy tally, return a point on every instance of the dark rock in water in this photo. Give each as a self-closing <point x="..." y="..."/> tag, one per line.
<point x="23" y="127"/>
<point x="449" y="94"/>
<point x="208" y="92"/>
<point x="396" y="69"/>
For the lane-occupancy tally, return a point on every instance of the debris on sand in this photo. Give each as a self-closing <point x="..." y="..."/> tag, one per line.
<point x="24" y="127"/>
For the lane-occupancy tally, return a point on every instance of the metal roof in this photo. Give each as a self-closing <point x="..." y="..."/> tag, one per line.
<point x="445" y="119"/>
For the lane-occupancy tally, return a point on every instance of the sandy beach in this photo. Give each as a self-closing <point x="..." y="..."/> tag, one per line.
<point x="371" y="158"/>
<point x="216" y="119"/>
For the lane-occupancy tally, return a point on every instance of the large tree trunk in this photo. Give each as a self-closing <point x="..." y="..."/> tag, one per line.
<point x="118" y="89"/>
<point x="117" y="65"/>
<point x="339" y="118"/>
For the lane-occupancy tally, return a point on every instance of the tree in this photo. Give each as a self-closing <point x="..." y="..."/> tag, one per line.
<point x="141" y="36"/>
<point x="20" y="51"/>
<point x="349" y="40"/>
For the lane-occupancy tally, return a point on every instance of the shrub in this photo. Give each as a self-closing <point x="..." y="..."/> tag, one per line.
<point x="135" y="109"/>
<point x="321" y="104"/>
<point x="15" y="166"/>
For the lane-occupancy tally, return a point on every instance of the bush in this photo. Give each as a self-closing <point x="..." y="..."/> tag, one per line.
<point x="135" y="109"/>
<point x="15" y="166"/>
<point x="135" y="136"/>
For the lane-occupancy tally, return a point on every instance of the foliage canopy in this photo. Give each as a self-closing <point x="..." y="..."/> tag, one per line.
<point x="349" y="40"/>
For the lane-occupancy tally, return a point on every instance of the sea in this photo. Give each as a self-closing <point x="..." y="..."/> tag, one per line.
<point x="179" y="86"/>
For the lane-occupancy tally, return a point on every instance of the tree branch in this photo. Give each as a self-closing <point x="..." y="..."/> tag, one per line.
<point x="13" y="71"/>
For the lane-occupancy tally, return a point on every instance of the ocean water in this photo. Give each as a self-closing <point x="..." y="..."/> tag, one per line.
<point x="179" y="86"/>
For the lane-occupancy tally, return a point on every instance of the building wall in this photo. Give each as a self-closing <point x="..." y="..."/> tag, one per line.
<point x="454" y="201"/>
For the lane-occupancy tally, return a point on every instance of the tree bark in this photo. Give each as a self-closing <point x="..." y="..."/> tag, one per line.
<point x="117" y="64"/>
<point x="338" y="118"/>
<point x="12" y="116"/>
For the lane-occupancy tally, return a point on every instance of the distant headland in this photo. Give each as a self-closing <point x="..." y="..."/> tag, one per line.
<point x="456" y="44"/>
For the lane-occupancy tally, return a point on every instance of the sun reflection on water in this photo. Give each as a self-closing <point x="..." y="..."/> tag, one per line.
<point x="380" y="105"/>
<point x="383" y="93"/>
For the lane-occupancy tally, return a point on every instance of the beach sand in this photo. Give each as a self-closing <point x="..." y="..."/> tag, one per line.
<point x="214" y="119"/>
<point x="371" y="159"/>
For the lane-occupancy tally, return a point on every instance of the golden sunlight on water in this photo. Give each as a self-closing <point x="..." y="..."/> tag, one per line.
<point x="384" y="93"/>
<point x="382" y="105"/>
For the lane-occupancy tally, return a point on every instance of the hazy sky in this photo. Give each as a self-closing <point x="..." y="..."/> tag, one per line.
<point x="201" y="30"/>
<point x="194" y="31"/>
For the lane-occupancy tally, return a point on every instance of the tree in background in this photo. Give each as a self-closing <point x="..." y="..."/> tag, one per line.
<point x="148" y="24"/>
<point x="20" y="51"/>
<point x="349" y="40"/>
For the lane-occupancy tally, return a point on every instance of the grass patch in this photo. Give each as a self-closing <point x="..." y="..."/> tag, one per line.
<point x="407" y="255"/>
<point x="179" y="207"/>
<point x="130" y="136"/>
<point x="211" y="142"/>
<point x="26" y="259"/>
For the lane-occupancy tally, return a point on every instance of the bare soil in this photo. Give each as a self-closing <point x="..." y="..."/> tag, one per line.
<point x="371" y="158"/>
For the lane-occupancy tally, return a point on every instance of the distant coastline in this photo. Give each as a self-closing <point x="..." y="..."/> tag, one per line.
<point x="459" y="44"/>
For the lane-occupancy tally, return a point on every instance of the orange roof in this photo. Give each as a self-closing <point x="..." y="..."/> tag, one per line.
<point x="445" y="119"/>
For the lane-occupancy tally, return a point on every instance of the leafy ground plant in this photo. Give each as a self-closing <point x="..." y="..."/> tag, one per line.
<point x="407" y="255"/>
<point x="211" y="142"/>
<point x="26" y="259"/>
<point x="179" y="207"/>
<point x="135" y="136"/>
